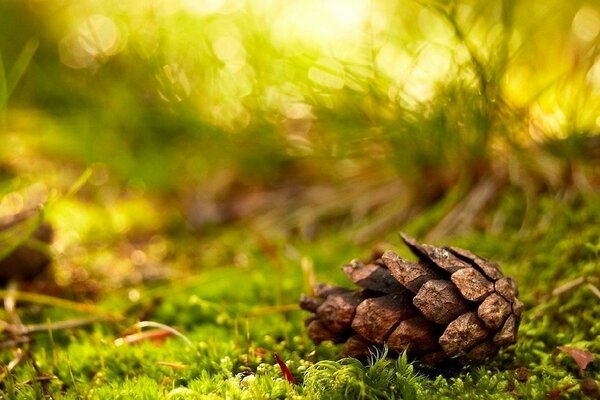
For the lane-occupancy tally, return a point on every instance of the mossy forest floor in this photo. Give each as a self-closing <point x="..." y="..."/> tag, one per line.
<point x="202" y="163"/>
<point x="232" y="293"/>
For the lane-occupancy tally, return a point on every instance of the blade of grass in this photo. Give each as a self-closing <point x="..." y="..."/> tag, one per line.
<point x="3" y="93"/>
<point x="10" y="305"/>
<point x="78" y="184"/>
<point x="20" y="66"/>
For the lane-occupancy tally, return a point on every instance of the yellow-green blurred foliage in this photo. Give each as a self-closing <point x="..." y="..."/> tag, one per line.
<point x="166" y="92"/>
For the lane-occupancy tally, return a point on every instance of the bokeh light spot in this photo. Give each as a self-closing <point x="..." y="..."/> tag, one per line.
<point x="94" y="41"/>
<point x="297" y="110"/>
<point x="349" y="12"/>
<point x="99" y="36"/>
<point x="134" y="295"/>
<point x="173" y="83"/>
<point x="331" y="25"/>
<point x="203" y="7"/>
<point x="593" y="76"/>
<point x="230" y="51"/>
<point x="138" y="257"/>
<point x="586" y="23"/>
<point x="12" y="204"/>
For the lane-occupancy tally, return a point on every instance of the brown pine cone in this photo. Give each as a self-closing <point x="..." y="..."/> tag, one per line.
<point x="451" y="304"/>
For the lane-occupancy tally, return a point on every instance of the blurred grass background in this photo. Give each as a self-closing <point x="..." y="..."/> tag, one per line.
<point x="192" y="99"/>
<point x="294" y="117"/>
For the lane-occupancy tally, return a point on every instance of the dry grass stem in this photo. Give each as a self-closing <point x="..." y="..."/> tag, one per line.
<point x="19" y="354"/>
<point x="151" y="324"/>
<point x="15" y="295"/>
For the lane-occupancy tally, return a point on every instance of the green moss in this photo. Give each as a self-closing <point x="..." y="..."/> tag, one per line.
<point x="230" y="314"/>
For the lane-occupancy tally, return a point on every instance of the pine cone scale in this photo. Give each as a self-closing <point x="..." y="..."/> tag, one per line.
<point x="418" y="334"/>
<point x="450" y="304"/>
<point x="310" y="303"/>
<point x="463" y="333"/>
<point x="472" y="285"/>
<point x="506" y="288"/>
<point x="377" y="317"/>
<point x="488" y="268"/>
<point x="508" y="333"/>
<point x="372" y="276"/>
<point x="494" y="310"/>
<point x="338" y="310"/>
<point x="438" y="256"/>
<point x="410" y="275"/>
<point x="440" y="301"/>
<point x="318" y="332"/>
<point x="482" y="351"/>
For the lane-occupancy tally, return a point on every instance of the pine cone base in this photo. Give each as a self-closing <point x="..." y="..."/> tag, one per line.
<point x="449" y="305"/>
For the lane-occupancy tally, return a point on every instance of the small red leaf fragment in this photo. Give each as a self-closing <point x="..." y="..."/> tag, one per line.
<point x="580" y="356"/>
<point x="287" y="374"/>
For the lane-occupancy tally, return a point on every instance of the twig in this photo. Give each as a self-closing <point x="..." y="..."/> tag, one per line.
<point x="569" y="286"/>
<point x="564" y="288"/>
<point x="153" y="335"/>
<point x="158" y="325"/>
<point x="41" y="377"/>
<point x="19" y="354"/>
<point x="10" y="304"/>
<point x="60" y="325"/>
<point x="7" y="344"/>
<point x="594" y="290"/>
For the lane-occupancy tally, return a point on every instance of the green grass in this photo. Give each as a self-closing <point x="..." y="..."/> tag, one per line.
<point x="229" y="310"/>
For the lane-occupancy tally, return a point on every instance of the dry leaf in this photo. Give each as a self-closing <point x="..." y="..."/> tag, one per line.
<point x="580" y="356"/>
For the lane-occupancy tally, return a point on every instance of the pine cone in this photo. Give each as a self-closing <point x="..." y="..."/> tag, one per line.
<point x="451" y="304"/>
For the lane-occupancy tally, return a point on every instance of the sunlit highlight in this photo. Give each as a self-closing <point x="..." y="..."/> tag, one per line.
<point x="203" y="7"/>
<point x="230" y="51"/>
<point x="331" y="24"/>
<point x="173" y="82"/>
<point x="586" y="23"/>
<point x="95" y="40"/>
<point x="212" y="54"/>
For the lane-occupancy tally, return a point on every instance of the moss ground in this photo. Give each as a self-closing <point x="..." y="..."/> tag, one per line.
<point x="236" y="308"/>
